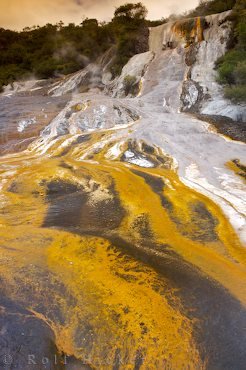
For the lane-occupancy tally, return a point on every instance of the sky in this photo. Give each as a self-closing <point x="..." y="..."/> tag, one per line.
<point x="17" y="14"/>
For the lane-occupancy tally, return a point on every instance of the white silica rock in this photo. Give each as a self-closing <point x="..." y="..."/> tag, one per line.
<point x="135" y="67"/>
<point x="137" y="159"/>
<point x="210" y="50"/>
<point x="23" y="124"/>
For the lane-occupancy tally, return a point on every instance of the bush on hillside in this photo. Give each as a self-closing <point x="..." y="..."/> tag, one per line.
<point x="207" y="7"/>
<point x="130" y="85"/>
<point x="232" y="66"/>
<point x="236" y="93"/>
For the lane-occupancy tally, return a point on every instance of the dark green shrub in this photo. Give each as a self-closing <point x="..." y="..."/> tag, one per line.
<point x="207" y="7"/>
<point x="236" y="93"/>
<point x="240" y="73"/>
<point x="226" y="74"/>
<point x="130" y="85"/>
<point x="232" y="66"/>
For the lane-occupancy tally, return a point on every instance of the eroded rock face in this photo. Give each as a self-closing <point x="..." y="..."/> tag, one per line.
<point x="191" y="54"/>
<point x="85" y="114"/>
<point x="205" y="40"/>
<point x="216" y="37"/>
<point x="135" y="68"/>
<point x="192" y="96"/>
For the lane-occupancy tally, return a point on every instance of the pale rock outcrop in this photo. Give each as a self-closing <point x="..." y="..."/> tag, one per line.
<point x="136" y="68"/>
<point x="202" y="45"/>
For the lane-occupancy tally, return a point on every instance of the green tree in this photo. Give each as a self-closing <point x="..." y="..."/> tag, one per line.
<point x="131" y="33"/>
<point x="133" y="11"/>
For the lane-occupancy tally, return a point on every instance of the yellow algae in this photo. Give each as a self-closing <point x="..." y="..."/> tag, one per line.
<point x="198" y="30"/>
<point x="116" y="297"/>
<point x="81" y="106"/>
<point x="190" y="29"/>
<point x="215" y="258"/>
<point x="138" y="198"/>
<point x="107" y="301"/>
<point x="119" y="298"/>
<point x="210" y="261"/>
<point x="230" y="245"/>
<point x="238" y="168"/>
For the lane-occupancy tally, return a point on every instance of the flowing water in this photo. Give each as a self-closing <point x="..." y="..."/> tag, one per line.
<point x="122" y="228"/>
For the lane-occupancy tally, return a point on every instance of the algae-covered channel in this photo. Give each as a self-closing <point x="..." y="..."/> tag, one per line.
<point x="115" y="266"/>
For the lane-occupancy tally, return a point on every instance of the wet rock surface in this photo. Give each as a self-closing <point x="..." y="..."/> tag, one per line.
<point x="191" y="96"/>
<point x="26" y="342"/>
<point x="226" y="126"/>
<point x="17" y="111"/>
<point x="70" y="207"/>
